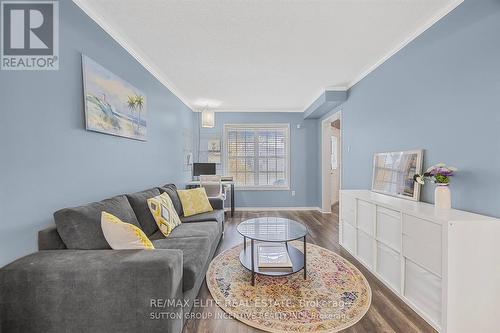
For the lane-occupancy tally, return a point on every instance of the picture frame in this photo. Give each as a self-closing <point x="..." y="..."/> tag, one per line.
<point x="112" y="105"/>
<point x="213" y="145"/>
<point x="393" y="173"/>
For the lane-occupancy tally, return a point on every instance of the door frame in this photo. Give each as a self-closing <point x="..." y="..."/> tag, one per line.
<point x="325" y="192"/>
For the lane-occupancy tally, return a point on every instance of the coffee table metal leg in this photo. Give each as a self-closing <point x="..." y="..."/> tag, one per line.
<point x="232" y="199"/>
<point x="244" y="243"/>
<point x="253" y="268"/>
<point x="305" y="267"/>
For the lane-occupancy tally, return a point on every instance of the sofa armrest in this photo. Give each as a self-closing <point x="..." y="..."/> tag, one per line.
<point x="93" y="291"/>
<point x="49" y="239"/>
<point x="216" y="203"/>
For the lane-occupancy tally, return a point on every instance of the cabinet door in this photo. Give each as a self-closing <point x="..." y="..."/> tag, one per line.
<point x="389" y="227"/>
<point x="365" y="216"/>
<point x="347" y="208"/>
<point x="365" y="248"/>
<point x="389" y="266"/>
<point x="423" y="289"/>
<point x="348" y="237"/>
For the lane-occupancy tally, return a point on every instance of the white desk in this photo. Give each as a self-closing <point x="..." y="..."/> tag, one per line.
<point x="230" y="183"/>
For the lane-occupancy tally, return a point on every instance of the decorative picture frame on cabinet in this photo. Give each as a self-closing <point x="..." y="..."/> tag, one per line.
<point x="393" y="173"/>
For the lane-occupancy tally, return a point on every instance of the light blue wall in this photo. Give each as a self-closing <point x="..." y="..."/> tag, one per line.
<point x="304" y="158"/>
<point x="440" y="93"/>
<point x="47" y="159"/>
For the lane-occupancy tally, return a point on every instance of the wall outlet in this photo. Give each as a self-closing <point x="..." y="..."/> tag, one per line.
<point x="293" y="193"/>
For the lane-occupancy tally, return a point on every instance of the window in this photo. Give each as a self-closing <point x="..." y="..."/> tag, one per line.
<point x="257" y="156"/>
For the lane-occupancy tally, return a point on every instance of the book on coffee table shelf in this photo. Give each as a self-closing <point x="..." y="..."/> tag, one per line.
<point x="273" y="257"/>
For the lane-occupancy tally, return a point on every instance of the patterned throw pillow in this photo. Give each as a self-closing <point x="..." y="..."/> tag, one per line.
<point x="123" y="236"/>
<point x="194" y="201"/>
<point x="164" y="213"/>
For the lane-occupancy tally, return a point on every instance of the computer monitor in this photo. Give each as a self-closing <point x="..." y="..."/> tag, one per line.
<point x="203" y="169"/>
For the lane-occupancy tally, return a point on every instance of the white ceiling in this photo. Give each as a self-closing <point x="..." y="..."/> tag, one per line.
<point x="262" y="55"/>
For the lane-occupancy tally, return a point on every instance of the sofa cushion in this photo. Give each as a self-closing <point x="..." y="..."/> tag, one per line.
<point x="194" y="201"/>
<point x="171" y="190"/>
<point x="164" y="213"/>
<point x="195" y="252"/>
<point x="123" y="236"/>
<point x="80" y="227"/>
<point x="139" y="203"/>
<point x="215" y="215"/>
<point x="211" y="230"/>
<point x="216" y="203"/>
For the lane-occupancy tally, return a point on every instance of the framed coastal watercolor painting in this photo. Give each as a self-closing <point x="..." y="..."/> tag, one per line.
<point x="112" y="105"/>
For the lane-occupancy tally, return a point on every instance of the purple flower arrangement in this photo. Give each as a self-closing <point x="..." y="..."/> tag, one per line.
<point x="439" y="174"/>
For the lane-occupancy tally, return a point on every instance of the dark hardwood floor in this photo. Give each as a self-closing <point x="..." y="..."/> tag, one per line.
<point x="386" y="314"/>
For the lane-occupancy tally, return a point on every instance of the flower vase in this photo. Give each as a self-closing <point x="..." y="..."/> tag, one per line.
<point x="442" y="196"/>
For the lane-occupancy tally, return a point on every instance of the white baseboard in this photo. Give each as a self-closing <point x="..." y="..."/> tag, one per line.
<point x="267" y="209"/>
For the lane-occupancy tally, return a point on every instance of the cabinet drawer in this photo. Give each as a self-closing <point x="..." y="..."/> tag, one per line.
<point x="365" y="216"/>
<point x="423" y="254"/>
<point x="424" y="290"/>
<point x="422" y="243"/>
<point x="422" y="230"/>
<point x="348" y="236"/>
<point x="389" y="227"/>
<point x="365" y="248"/>
<point x="389" y="266"/>
<point x="347" y="208"/>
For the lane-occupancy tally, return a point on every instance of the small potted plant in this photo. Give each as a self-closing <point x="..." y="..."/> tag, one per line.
<point x="440" y="175"/>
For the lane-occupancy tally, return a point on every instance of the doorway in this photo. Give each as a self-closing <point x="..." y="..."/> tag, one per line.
<point x="330" y="162"/>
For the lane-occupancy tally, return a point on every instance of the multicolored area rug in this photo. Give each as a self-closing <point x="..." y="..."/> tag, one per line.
<point x="334" y="296"/>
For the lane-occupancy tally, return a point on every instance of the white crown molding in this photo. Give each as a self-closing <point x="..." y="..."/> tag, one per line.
<point x="127" y="45"/>
<point x="408" y="40"/>
<point x="336" y="88"/>
<point x="267" y="209"/>
<point x="249" y="110"/>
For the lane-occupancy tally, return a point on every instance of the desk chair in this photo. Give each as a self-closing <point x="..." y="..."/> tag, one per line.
<point x="213" y="186"/>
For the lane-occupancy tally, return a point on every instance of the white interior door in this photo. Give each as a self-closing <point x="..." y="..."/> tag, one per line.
<point x="334" y="165"/>
<point x="330" y="179"/>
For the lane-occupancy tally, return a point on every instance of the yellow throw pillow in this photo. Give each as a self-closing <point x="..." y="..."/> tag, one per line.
<point x="123" y="236"/>
<point x="194" y="201"/>
<point x="164" y="213"/>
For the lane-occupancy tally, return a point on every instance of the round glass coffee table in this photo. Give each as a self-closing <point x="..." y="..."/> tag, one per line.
<point x="274" y="230"/>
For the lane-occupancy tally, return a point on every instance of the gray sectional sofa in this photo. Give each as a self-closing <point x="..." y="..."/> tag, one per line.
<point x="76" y="283"/>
